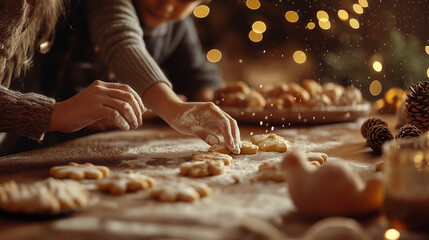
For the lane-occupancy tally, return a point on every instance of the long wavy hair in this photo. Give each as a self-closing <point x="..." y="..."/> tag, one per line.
<point x="38" y="35"/>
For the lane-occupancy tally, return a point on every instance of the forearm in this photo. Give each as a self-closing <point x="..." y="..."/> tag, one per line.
<point x="161" y="99"/>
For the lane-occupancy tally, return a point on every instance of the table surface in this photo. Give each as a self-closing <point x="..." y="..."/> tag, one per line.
<point x="238" y="209"/>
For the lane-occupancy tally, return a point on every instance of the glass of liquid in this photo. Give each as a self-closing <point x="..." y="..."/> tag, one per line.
<point x="406" y="183"/>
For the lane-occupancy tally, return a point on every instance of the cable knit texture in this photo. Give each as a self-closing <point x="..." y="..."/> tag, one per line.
<point x="25" y="114"/>
<point x="115" y="28"/>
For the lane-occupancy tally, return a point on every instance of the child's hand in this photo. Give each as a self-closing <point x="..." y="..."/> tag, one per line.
<point x="115" y="102"/>
<point x="204" y="120"/>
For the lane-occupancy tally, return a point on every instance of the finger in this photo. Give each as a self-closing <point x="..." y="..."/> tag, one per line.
<point x="139" y="106"/>
<point x="114" y="116"/>
<point x="208" y="137"/>
<point x="124" y="109"/>
<point x="235" y="130"/>
<point x="224" y="126"/>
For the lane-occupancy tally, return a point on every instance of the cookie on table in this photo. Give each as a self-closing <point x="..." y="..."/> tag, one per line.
<point x="219" y="148"/>
<point x="247" y="147"/>
<point x="271" y="171"/>
<point x="203" y="156"/>
<point x="203" y="168"/>
<point x="271" y="142"/>
<point x="78" y="171"/>
<point x="50" y="196"/>
<point x="188" y="191"/>
<point x="317" y="156"/>
<point x="127" y="181"/>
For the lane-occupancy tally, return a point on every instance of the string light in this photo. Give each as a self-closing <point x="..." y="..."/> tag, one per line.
<point x="377" y="66"/>
<point x="392" y="234"/>
<point x="354" y="23"/>
<point x="255" y="37"/>
<point x="427" y="49"/>
<point x="427" y="73"/>
<point x="363" y="3"/>
<point x="214" y="55"/>
<point x="357" y="8"/>
<point x="343" y="15"/>
<point x="375" y="88"/>
<point x="299" y="57"/>
<point x="311" y="25"/>
<point x="324" y="24"/>
<point x="259" y="27"/>
<point x="201" y="11"/>
<point x="322" y="16"/>
<point x="253" y="4"/>
<point x="292" y="16"/>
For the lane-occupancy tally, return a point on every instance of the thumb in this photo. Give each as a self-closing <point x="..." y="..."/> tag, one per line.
<point x="209" y="137"/>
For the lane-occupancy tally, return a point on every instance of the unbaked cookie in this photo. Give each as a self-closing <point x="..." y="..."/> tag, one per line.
<point x="271" y="171"/>
<point x="204" y="168"/>
<point x="271" y="142"/>
<point x="78" y="171"/>
<point x="50" y="196"/>
<point x="317" y="156"/>
<point x="188" y="191"/>
<point x="220" y="148"/>
<point x="128" y="181"/>
<point x="247" y="147"/>
<point x="202" y="156"/>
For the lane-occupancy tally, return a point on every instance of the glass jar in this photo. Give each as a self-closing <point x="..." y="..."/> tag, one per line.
<point x="406" y="183"/>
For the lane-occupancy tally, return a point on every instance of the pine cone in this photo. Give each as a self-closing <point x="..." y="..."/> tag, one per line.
<point x="408" y="131"/>
<point x="417" y="105"/>
<point x="377" y="135"/>
<point x="369" y="123"/>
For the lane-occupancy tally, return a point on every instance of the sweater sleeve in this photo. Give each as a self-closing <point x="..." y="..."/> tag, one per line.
<point x="24" y="114"/>
<point x="115" y="29"/>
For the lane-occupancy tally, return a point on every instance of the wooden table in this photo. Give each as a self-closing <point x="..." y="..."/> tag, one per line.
<point x="238" y="209"/>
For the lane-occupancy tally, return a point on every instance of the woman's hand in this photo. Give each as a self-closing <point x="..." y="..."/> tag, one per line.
<point x="203" y="119"/>
<point x="117" y="103"/>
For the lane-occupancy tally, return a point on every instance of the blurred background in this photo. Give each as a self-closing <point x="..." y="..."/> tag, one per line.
<point x="374" y="45"/>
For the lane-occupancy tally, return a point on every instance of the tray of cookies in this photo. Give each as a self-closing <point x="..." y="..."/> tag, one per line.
<point x="292" y="103"/>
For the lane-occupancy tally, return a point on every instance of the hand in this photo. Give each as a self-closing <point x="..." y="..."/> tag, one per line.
<point x="203" y="119"/>
<point x="101" y="126"/>
<point x="115" y="102"/>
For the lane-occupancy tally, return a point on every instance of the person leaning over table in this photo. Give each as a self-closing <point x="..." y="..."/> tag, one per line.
<point x="25" y="24"/>
<point x="117" y="27"/>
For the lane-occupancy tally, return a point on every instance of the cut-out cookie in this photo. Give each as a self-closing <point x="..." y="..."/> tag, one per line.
<point x="128" y="181"/>
<point x="78" y="171"/>
<point x="220" y="148"/>
<point x="317" y="156"/>
<point x="247" y="147"/>
<point x="203" y="156"/>
<point x="181" y="191"/>
<point x="202" y="168"/>
<point x="271" y="142"/>
<point x="50" y="196"/>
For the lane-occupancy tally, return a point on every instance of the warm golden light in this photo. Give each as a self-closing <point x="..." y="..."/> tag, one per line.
<point x="363" y="3"/>
<point x="427" y="73"/>
<point x="259" y="27"/>
<point x="291" y="16"/>
<point x="392" y="234"/>
<point x="375" y="88"/>
<point x="322" y="16"/>
<point x="343" y="15"/>
<point x="253" y="4"/>
<point x="377" y="66"/>
<point x="357" y="8"/>
<point x="214" y="55"/>
<point x="311" y="25"/>
<point x="427" y="49"/>
<point x="255" y="37"/>
<point x="299" y="57"/>
<point x="354" y="23"/>
<point x="325" y="25"/>
<point x="201" y="11"/>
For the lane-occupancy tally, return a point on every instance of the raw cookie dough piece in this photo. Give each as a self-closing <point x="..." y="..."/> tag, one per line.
<point x="50" y="196"/>
<point x="271" y="171"/>
<point x="202" y="168"/>
<point x="317" y="156"/>
<point x="271" y="142"/>
<point x="181" y="191"/>
<point x="78" y="171"/>
<point x="247" y="147"/>
<point x="128" y="181"/>
<point x="202" y="156"/>
<point x="220" y="148"/>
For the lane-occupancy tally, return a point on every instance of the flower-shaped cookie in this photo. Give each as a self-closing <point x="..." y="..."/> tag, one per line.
<point x="50" y="196"/>
<point x="203" y="156"/>
<point x="128" y="181"/>
<point x="202" y="168"/>
<point x="247" y="147"/>
<point x="180" y="191"/>
<point x="78" y="171"/>
<point x="271" y="142"/>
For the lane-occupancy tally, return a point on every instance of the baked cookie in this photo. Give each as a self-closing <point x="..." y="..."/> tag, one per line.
<point x="246" y="148"/>
<point x="181" y="191"/>
<point x="202" y="156"/>
<point x="78" y="171"/>
<point x="271" y="142"/>
<point x="204" y="168"/>
<point x="128" y="181"/>
<point x="50" y="196"/>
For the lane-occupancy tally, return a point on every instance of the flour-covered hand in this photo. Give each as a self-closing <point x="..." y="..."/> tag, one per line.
<point x="205" y="119"/>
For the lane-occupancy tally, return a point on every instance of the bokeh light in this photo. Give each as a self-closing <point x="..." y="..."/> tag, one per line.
<point x="201" y="11"/>
<point x="214" y="55"/>
<point x="357" y="8"/>
<point x="253" y="4"/>
<point x="291" y="16"/>
<point x="343" y="15"/>
<point x="377" y="66"/>
<point x="427" y="72"/>
<point x="375" y="88"/>
<point x="354" y="23"/>
<point x="299" y="57"/>
<point x="259" y="27"/>
<point x="311" y="25"/>
<point x="427" y="49"/>
<point x="255" y="37"/>
<point x="325" y="25"/>
<point x="363" y="3"/>
<point x="322" y="16"/>
<point x="392" y="234"/>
